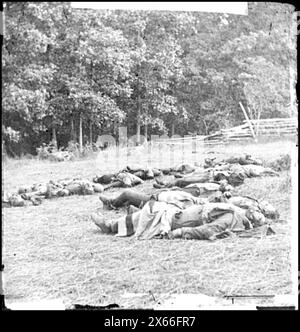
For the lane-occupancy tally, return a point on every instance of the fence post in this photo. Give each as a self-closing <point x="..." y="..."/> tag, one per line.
<point x="248" y="121"/>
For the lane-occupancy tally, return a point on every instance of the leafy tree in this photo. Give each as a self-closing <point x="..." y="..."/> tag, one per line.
<point x="71" y="74"/>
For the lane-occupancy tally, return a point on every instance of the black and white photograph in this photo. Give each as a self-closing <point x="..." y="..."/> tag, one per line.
<point x="149" y="157"/>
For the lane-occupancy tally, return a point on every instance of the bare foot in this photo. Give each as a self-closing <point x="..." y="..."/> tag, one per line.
<point x="98" y="219"/>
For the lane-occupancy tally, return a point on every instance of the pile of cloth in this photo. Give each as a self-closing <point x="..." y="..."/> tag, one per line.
<point x="34" y="195"/>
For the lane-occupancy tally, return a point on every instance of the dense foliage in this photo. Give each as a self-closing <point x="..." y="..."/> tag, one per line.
<point x="73" y="74"/>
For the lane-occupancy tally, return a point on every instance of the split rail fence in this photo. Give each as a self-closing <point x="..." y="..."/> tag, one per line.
<point x="249" y="130"/>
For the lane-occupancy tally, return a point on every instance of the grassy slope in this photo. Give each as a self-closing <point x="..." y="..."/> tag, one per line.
<point x="55" y="251"/>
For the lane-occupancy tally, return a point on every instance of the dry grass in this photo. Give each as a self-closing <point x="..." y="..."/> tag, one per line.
<point x="55" y="251"/>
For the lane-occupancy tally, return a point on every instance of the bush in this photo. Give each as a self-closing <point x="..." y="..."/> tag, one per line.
<point x="73" y="147"/>
<point x="44" y="151"/>
<point x="50" y="152"/>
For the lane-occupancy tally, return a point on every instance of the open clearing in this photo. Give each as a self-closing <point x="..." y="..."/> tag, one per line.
<point x="54" y="251"/>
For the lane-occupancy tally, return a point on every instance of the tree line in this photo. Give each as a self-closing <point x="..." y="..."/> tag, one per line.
<point x="73" y="74"/>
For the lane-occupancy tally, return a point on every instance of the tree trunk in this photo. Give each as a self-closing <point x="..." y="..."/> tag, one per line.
<point x="116" y="129"/>
<point x="138" y="124"/>
<point x="177" y="106"/>
<point x="4" y="152"/>
<point x="146" y="125"/>
<point x="54" y="140"/>
<point x="91" y="132"/>
<point x="205" y="127"/>
<point x="146" y="131"/>
<point x="173" y="129"/>
<point x="80" y="133"/>
<point x="73" y="132"/>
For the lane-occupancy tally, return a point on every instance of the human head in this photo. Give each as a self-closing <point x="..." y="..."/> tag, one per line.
<point x="201" y="201"/>
<point x="223" y="184"/>
<point x="227" y="194"/>
<point x="255" y="217"/>
<point x="149" y="173"/>
<point x="268" y="210"/>
<point x="195" y="191"/>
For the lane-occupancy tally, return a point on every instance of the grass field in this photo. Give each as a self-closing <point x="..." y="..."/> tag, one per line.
<point x="54" y="251"/>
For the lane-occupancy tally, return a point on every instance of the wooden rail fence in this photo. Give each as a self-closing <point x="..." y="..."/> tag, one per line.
<point x="260" y="128"/>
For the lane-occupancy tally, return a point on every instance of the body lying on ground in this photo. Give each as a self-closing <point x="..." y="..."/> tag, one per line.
<point x="179" y="169"/>
<point x="235" y="175"/>
<point x="246" y="202"/>
<point x="36" y="193"/>
<point x="245" y="159"/>
<point x="124" y="179"/>
<point x="192" y="219"/>
<point x="176" y="213"/>
<point x="234" y="170"/>
<point x="184" y="197"/>
<point x="145" y="173"/>
<point x="120" y="180"/>
<point x="132" y="197"/>
<point x="138" y="199"/>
